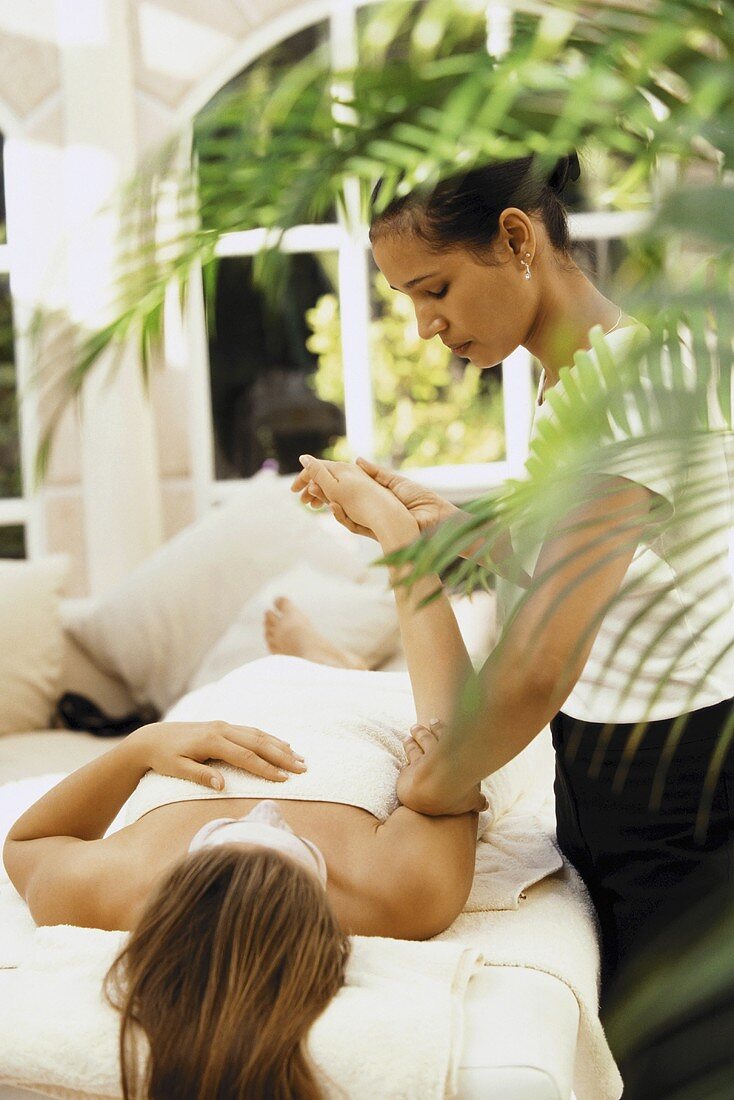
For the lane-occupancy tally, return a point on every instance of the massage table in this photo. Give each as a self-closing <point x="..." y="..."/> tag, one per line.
<point x="519" y="1041"/>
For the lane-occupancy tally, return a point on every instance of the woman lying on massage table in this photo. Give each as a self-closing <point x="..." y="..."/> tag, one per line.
<point x="240" y="908"/>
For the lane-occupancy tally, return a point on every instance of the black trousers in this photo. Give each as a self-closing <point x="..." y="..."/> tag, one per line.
<point x="642" y="864"/>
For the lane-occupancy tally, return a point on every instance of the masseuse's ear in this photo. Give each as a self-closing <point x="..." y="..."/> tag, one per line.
<point x="516" y="234"/>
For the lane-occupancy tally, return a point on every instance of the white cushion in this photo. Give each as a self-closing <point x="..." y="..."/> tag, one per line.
<point x="154" y="628"/>
<point x="31" y="641"/>
<point x="477" y="618"/>
<point x="358" y="617"/>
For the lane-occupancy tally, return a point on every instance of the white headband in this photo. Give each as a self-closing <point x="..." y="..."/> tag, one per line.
<point x="266" y="827"/>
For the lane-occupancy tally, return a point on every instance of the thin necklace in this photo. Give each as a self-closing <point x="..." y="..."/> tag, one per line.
<point x="543" y="378"/>
<point x="614" y="325"/>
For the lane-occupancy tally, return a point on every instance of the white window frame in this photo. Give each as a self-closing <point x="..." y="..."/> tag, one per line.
<point x="14" y="511"/>
<point x="459" y="482"/>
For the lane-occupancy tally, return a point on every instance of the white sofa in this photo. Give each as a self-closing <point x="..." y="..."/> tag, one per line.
<point x="45" y="750"/>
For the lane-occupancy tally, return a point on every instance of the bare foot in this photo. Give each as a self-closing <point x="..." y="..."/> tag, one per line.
<point x="289" y="631"/>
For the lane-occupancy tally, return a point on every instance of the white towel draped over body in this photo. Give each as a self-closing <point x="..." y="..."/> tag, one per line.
<point x="332" y="716"/>
<point x="348" y="724"/>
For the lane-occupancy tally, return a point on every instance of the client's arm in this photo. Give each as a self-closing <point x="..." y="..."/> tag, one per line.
<point x="56" y="842"/>
<point x="428" y="509"/>
<point x="418" y="873"/>
<point x="435" y="653"/>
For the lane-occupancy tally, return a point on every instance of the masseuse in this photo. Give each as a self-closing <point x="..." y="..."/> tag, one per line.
<point x="485" y="261"/>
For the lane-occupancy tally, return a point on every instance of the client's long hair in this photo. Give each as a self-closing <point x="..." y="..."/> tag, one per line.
<point x="231" y="962"/>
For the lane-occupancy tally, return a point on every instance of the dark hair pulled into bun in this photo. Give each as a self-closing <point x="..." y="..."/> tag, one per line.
<point x="464" y="209"/>
<point x="567" y="170"/>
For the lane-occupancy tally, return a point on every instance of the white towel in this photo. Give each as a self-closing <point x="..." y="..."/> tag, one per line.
<point x="403" y="1000"/>
<point x="553" y="930"/>
<point x="516" y="846"/>
<point x="349" y="725"/>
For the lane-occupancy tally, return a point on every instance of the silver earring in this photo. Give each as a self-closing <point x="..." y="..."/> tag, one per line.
<point x="526" y="265"/>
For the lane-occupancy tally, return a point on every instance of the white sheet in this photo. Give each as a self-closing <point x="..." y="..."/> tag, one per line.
<point x="550" y="929"/>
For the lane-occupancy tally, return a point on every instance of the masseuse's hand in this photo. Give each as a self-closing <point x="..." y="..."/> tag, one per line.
<point x="354" y="497"/>
<point x="418" y="749"/>
<point x="185" y="750"/>
<point x="427" y="508"/>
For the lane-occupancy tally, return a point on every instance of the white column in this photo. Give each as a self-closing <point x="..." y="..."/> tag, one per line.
<point x="29" y="175"/>
<point x="354" y="280"/>
<point x="120" y="470"/>
<point x="185" y="349"/>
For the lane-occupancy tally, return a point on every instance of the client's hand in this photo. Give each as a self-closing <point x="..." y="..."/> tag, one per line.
<point x="356" y="500"/>
<point x="427" y="508"/>
<point x="418" y="748"/>
<point x="182" y="749"/>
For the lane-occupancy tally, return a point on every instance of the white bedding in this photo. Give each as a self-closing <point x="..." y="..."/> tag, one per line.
<point x="550" y="930"/>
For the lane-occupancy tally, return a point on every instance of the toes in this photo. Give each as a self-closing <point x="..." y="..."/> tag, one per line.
<point x="283" y="603"/>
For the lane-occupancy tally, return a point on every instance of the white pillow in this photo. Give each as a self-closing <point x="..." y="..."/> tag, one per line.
<point x="477" y="618"/>
<point x="358" y="617"/>
<point x="153" y="629"/>
<point x="31" y="641"/>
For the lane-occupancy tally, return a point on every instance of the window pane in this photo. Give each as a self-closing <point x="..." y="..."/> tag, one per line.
<point x="12" y="542"/>
<point x="600" y="260"/>
<point x="268" y="68"/>
<point x="430" y="408"/>
<point x="264" y="400"/>
<point x="10" y="483"/>
<point x="284" y="54"/>
<point x="395" y="33"/>
<point x="602" y="172"/>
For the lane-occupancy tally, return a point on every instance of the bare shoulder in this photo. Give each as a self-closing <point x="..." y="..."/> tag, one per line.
<point x="90" y="883"/>
<point x="420" y="871"/>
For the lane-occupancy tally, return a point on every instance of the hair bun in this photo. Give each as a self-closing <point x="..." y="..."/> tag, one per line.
<point x="567" y="169"/>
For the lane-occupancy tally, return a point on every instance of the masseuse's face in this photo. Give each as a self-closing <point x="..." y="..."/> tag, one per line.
<point x="482" y="312"/>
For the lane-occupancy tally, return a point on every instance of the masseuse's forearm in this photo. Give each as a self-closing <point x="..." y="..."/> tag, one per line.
<point x="497" y="555"/>
<point x="435" y="653"/>
<point x="86" y="803"/>
<point x="489" y="727"/>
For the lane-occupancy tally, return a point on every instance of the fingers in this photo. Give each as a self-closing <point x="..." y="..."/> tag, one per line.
<point x="480" y="804"/>
<point x="339" y="514"/>
<point x="427" y="736"/>
<point x="253" y="762"/>
<point x="300" y="481"/>
<point x="313" y="495"/>
<point x="341" y="517"/>
<point x="204" y="774"/>
<point x="309" y="490"/>
<point x="241" y="746"/>
<point x="319" y="473"/>
<point x="413" y="751"/>
<point x="369" y="467"/>
<point x="378" y="473"/>
<point x="308" y="498"/>
<point x="422" y="739"/>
